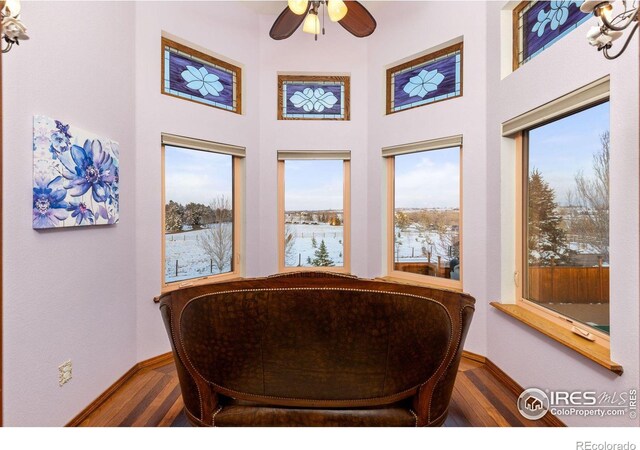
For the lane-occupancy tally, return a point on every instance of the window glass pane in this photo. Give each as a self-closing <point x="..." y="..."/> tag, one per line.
<point x="427" y="213"/>
<point x="313" y="202"/>
<point x="198" y="214"/>
<point x="567" y="255"/>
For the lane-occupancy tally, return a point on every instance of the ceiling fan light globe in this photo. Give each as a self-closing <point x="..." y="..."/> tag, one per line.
<point x="311" y="24"/>
<point x="298" y="7"/>
<point x="336" y="10"/>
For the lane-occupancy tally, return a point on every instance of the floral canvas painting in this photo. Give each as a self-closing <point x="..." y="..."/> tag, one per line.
<point x="75" y="176"/>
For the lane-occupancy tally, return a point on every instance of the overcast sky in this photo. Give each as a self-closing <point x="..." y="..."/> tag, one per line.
<point x="423" y="180"/>
<point x="313" y="185"/>
<point x="196" y="176"/>
<point x="428" y="179"/>
<point x="560" y="149"/>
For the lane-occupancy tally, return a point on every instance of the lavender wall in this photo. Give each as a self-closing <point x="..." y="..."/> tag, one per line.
<point x="108" y="321"/>
<point x="336" y="53"/>
<point x="234" y="36"/>
<point x="530" y="358"/>
<point x="68" y="294"/>
<point x="464" y="115"/>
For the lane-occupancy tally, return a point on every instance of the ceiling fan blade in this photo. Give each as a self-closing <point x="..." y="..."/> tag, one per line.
<point x="358" y="20"/>
<point x="286" y="24"/>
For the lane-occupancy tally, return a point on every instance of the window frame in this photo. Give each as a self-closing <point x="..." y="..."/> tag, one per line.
<point x="391" y="273"/>
<point x="521" y="194"/>
<point x="285" y="156"/>
<point x="237" y="203"/>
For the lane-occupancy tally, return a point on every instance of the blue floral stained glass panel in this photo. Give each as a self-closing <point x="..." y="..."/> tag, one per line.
<point x="428" y="79"/>
<point x="199" y="77"/>
<point x="542" y="23"/>
<point x="313" y="97"/>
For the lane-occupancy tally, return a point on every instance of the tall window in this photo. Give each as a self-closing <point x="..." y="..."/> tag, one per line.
<point x="424" y="213"/>
<point x="200" y="214"/>
<point x="314" y="210"/>
<point x="565" y="242"/>
<point x="539" y="24"/>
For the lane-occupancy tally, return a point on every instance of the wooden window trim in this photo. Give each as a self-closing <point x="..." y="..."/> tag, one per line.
<point x="346" y="213"/>
<point x="206" y="57"/>
<point x="346" y="79"/>
<point x="516" y="37"/>
<point x="590" y="350"/>
<point x="429" y="56"/>
<point x="238" y="213"/>
<point x="559" y="320"/>
<point x="396" y="275"/>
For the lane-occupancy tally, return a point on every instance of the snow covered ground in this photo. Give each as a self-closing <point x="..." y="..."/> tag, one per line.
<point x="193" y="262"/>
<point x="333" y="237"/>
<point x="410" y="242"/>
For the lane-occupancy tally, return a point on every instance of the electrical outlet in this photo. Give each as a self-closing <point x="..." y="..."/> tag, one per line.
<point x="64" y="373"/>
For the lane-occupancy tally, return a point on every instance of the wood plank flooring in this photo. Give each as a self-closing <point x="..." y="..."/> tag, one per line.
<point x="152" y="398"/>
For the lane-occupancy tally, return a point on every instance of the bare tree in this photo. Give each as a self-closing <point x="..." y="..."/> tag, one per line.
<point x="590" y="202"/>
<point x="289" y="244"/>
<point x="217" y="239"/>
<point x="438" y="230"/>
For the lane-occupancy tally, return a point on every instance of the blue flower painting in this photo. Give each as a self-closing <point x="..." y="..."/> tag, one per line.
<point x="75" y="176"/>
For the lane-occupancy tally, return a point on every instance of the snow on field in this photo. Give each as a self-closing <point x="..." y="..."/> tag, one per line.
<point x="193" y="262"/>
<point x="410" y="242"/>
<point x="333" y="237"/>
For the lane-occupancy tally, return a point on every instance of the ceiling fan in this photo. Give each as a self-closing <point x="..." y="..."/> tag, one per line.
<point x="350" y="14"/>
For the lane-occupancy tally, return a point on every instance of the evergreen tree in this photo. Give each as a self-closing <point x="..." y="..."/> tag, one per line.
<point x="314" y="243"/>
<point x="173" y="217"/>
<point x="547" y="237"/>
<point x="322" y="257"/>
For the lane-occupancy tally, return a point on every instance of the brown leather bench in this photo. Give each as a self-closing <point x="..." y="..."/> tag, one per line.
<point x="316" y="349"/>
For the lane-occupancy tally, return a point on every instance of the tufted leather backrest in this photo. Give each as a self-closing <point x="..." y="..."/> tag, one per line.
<point x="315" y="343"/>
<point x="314" y="340"/>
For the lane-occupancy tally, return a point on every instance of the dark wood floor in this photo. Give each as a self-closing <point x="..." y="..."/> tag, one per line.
<point x="152" y="399"/>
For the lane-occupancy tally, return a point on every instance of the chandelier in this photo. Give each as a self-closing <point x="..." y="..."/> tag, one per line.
<point x="613" y="19"/>
<point x="12" y="30"/>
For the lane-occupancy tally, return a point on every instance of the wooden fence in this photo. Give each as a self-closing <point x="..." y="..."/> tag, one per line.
<point x="562" y="284"/>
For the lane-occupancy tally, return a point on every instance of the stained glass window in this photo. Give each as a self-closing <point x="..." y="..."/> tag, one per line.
<point x="539" y="24"/>
<point x="428" y="79"/>
<point x="196" y="76"/>
<point x="313" y="97"/>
